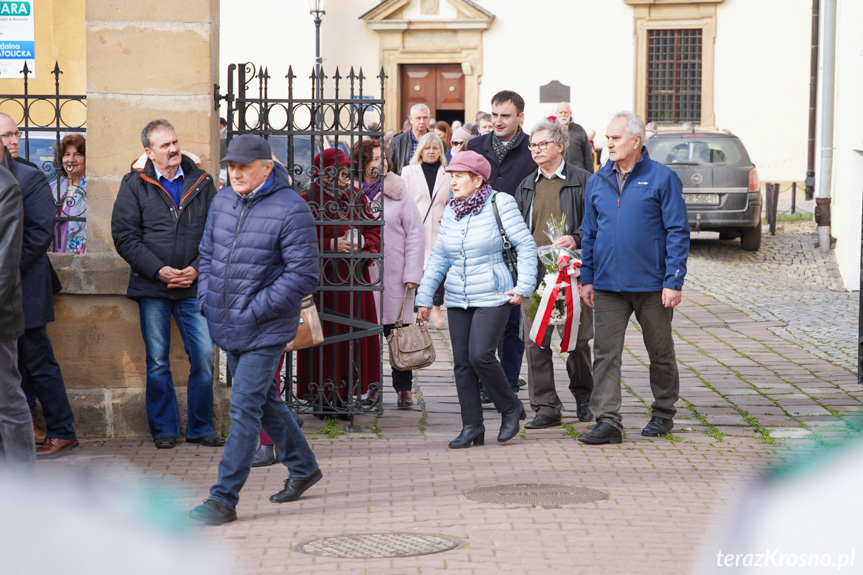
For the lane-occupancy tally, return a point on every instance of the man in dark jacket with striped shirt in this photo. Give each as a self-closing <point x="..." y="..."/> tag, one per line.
<point x="259" y="258"/>
<point x="158" y="219"/>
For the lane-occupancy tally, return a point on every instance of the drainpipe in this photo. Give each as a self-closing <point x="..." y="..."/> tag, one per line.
<point x="822" y="202"/>
<point x="813" y="104"/>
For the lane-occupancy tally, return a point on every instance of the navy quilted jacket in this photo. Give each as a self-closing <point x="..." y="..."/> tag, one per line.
<point x="259" y="257"/>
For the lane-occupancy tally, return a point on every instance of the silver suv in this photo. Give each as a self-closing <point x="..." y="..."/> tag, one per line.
<point x="720" y="182"/>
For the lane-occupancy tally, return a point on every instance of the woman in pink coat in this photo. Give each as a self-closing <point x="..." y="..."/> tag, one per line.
<point x="403" y="247"/>
<point x="430" y="187"/>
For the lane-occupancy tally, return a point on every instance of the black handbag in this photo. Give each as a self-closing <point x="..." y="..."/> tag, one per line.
<point x="510" y="257"/>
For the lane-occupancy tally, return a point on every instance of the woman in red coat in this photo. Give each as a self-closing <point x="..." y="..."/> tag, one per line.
<point x="324" y="375"/>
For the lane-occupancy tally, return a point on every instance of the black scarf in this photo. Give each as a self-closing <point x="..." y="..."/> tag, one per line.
<point x="501" y="148"/>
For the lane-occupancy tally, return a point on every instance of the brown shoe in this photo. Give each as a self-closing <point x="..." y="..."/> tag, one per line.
<point x="370" y="398"/>
<point x="38" y="432"/>
<point x="405" y="399"/>
<point x="55" y="447"/>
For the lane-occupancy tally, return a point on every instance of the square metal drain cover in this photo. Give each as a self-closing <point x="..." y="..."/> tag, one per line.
<point x="376" y="545"/>
<point x="538" y="494"/>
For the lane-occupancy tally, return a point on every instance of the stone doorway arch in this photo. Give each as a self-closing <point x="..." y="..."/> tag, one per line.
<point x="423" y="32"/>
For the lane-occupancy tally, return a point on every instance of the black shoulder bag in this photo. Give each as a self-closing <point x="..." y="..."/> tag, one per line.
<point x="510" y="257"/>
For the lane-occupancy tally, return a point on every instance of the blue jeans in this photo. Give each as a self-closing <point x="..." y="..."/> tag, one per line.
<point x="511" y="348"/>
<point x="161" y="400"/>
<point x="255" y="402"/>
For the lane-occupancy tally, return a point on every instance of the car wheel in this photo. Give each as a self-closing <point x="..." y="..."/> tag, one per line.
<point x="750" y="238"/>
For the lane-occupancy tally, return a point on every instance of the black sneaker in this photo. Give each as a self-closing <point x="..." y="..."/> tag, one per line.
<point x="213" y="513"/>
<point x="604" y="432"/>
<point x="265" y="455"/>
<point x="658" y="426"/>
<point x="208" y="441"/>
<point x="582" y="410"/>
<point x="294" y="488"/>
<point x="167" y="442"/>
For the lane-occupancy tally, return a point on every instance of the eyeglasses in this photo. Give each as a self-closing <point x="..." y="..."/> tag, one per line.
<point x="10" y="135"/>
<point x="457" y="142"/>
<point x="540" y="145"/>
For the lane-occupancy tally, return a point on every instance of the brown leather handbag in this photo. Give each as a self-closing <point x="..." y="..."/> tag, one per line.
<point x="410" y="346"/>
<point x="309" y="332"/>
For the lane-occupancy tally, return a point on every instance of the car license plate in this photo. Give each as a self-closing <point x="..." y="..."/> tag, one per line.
<point x="708" y="199"/>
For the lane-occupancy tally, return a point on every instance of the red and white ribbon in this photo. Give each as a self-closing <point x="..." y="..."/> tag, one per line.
<point x="565" y="281"/>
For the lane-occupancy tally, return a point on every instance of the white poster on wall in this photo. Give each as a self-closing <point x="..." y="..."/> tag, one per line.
<point x="17" y="39"/>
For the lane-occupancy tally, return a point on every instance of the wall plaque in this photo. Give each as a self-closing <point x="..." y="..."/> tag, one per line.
<point x="553" y="92"/>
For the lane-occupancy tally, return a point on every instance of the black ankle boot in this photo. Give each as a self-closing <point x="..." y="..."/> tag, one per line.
<point x="509" y="424"/>
<point x="469" y="434"/>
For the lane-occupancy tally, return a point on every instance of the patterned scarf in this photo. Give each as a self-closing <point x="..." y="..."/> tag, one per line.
<point x="372" y="188"/>
<point x="501" y="148"/>
<point x="472" y="205"/>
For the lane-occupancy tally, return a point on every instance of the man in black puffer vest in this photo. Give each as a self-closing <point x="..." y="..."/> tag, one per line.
<point x="158" y="220"/>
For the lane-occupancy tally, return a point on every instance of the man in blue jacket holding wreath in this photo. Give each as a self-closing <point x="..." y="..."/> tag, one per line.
<point x="634" y="251"/>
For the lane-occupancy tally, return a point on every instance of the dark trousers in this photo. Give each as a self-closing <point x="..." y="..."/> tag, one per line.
<point x="511" y="347"/>
<point x="402" y="380"/>
<point x="475" y="333"/>
<point x="612" y="311"/>
<point x="540" y="367"/>
<point x="41" y="372"/>
<point x="439" y="292"/>
<point x="16" y="428"/>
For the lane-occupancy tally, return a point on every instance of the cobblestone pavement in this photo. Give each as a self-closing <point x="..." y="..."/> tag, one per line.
<point x="751" y="390"/>
<point x="788" y="282"/>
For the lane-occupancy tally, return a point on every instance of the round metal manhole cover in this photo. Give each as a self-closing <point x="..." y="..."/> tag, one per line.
<point x="376" y="545"/>
<point x="538" y="494"/>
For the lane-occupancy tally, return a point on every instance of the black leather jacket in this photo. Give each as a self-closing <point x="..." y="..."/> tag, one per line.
<point x="400" y="151"/>
<point x="11" y="238"/>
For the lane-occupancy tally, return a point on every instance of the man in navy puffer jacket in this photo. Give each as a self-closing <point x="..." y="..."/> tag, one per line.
<point x="634" y="251"/>
<point x="259" y="258"/>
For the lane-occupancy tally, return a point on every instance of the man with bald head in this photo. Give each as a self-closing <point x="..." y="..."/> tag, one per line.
<point x="578" y="152"/>
<point x="403" y="146"/>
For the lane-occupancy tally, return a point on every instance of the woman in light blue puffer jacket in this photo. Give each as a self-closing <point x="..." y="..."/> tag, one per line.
<point x="480" y="291"/>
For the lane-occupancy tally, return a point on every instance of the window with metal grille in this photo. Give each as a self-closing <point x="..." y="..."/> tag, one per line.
<point x="674" y="76"/>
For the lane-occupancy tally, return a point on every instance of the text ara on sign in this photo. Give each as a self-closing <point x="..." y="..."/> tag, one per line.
<point x="14" y="8"/>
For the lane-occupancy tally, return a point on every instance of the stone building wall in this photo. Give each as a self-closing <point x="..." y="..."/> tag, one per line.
<point x="144" y="60"/>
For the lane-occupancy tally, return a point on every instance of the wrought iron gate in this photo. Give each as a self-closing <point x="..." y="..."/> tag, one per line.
<point x="317" y="139"/>
<point x="43" y="121"/>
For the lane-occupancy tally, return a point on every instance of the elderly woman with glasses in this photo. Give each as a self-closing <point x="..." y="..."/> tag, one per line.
<point x="70" y="189"/>
<point x="481" y="291"/>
